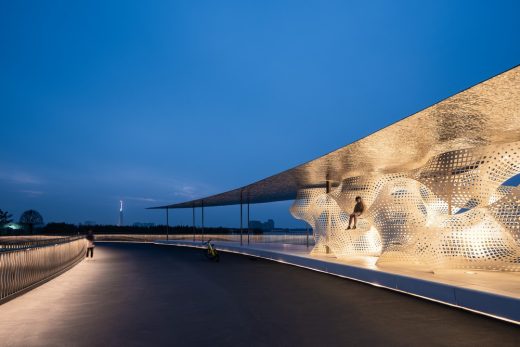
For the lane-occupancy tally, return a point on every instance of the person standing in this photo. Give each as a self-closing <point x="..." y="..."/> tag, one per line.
<point x="90" y="246"/>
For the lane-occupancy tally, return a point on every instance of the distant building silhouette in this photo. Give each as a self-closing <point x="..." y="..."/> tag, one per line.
<point x="265" y="226"/>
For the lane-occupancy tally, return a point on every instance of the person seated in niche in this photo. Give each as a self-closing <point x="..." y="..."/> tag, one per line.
<point x="358" y="211"/>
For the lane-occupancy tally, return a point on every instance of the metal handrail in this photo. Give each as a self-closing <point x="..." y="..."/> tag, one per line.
<point x="15" y="244"/>
<point x="294" y="239"/>
<point x="26" y="266"/>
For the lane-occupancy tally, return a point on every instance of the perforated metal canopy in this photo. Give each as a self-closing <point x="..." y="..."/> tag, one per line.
<point x="486" y="113"/>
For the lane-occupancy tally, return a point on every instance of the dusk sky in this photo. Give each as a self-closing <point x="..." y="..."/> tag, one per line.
<point x="161" y="102"/>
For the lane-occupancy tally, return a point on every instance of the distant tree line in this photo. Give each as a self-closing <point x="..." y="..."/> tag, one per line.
<point x="5" y="218"/>
<point x="69" y="229"/>
<point x="32" y="221"/>
<point x="29" y="220"/>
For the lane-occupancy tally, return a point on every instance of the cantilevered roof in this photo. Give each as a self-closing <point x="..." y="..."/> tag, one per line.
<point x="486" y="113"/>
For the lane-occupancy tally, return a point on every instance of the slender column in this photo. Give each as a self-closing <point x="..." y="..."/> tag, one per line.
<point x="327" y="190"/>
<point x="241" y="229"/>
<point x="248" y="229"/>
<point x="193" y="221"/>
<point x="450" y="194"/>
<point x="307" y="233"/>
<point x="167" y="224"/>
<point x="202" y="205"/>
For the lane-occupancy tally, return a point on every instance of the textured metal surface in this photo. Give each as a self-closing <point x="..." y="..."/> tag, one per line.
<point x="451" y="213"/>
<point x="27" y="265"/>
<point x="487" y="113"/>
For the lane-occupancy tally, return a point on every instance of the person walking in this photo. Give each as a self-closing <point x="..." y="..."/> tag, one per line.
<point x="358" y="211"/>
<point x="90" y="246"/>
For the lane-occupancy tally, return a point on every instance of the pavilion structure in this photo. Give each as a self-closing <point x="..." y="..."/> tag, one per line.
<point x="434" y="185"/>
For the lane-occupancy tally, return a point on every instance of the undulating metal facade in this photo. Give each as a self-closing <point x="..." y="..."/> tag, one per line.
<point x="432" y="183"/>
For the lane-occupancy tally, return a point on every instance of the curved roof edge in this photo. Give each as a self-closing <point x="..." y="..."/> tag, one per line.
<point x="486" y="113"/>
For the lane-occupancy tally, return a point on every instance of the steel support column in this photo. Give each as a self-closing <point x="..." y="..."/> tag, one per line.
<point x="327" y="190"/>
<point x="248" y="229"/>
<point x="202" y="232"/>
<point x="241" y="229"/>
<point x="167" y="224"/>
<point x="193" y="221"/>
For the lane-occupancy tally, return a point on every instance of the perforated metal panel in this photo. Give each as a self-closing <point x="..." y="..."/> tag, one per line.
<point x="408" y="217"/>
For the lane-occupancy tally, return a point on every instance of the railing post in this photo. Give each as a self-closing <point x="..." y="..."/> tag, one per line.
<point x="193" y="220"/>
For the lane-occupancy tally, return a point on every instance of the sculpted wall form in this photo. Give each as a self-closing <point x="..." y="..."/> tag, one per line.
<point x="452" y="213"/>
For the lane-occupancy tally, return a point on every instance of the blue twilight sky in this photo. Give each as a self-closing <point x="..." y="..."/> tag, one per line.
<point x="163" y="101"/>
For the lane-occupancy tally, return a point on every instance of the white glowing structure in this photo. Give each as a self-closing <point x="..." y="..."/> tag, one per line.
<point x="432" y="183"/>
<point x="120" y="213"/>
<point x="451" y="213"/>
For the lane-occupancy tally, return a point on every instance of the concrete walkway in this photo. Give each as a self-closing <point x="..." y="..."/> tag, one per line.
<point x="496" y="294"/>
<point x="149" y="295"/>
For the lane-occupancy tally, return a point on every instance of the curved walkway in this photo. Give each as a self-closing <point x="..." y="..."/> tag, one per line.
<point x="148" y="295"/>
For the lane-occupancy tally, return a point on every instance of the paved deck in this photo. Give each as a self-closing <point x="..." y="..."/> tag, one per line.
<point x="149" y="295"/>
<point x="496" y="294"/>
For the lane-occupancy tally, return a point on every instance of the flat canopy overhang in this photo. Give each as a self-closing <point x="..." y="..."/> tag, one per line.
<point x="487" y="113"/>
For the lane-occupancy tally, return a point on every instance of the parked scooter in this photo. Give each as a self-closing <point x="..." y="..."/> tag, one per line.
<point x="211" y="252"/>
